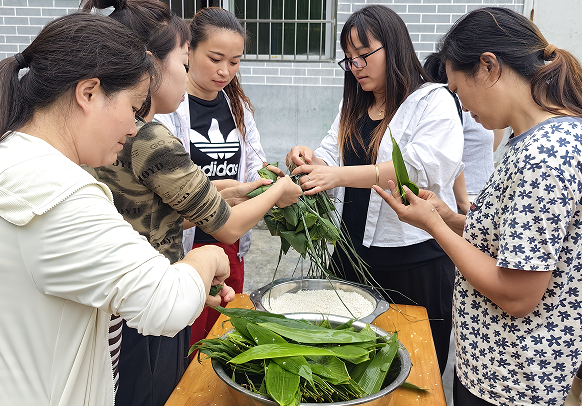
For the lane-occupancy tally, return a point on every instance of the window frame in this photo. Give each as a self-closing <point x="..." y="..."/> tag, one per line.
<point x="327" y="46"/>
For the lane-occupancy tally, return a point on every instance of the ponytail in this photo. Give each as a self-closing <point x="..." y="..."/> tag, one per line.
<point x="13" y="110"/>
<point x="557" y="86"/>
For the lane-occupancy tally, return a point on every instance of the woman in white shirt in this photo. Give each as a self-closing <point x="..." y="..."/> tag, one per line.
<point x="385" y="85"/>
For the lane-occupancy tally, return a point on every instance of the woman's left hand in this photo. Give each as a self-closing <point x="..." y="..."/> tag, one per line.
<point x="420" y="213"/>
<point x="318" y="178"/>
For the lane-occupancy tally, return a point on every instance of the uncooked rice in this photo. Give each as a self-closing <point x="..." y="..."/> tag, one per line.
<point x="320" y="301"/>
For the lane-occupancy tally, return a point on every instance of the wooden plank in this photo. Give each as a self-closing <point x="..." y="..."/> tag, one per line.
<point x="201" y="387"/>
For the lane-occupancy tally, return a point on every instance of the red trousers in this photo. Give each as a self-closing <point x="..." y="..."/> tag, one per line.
<point x="208" y="317"/>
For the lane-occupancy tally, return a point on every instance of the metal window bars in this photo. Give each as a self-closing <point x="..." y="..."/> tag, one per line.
<point x="282" y="30"/>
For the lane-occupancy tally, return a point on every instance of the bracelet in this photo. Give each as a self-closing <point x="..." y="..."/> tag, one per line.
<point x="377" y="175"/>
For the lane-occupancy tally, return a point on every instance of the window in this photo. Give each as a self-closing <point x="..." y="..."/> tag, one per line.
<point x="283" y="30"/>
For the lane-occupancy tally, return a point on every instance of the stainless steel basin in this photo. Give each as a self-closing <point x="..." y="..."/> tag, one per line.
<point x="244" y="397"/>
<point x="292" y="285"/>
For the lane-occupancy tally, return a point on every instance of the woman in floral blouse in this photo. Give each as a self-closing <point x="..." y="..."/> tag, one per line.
<point x="518" y="290"/>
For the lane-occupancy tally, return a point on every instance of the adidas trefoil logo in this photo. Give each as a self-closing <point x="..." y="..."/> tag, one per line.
<point x="217" y="147"/>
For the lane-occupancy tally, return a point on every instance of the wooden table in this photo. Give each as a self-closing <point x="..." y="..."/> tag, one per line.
<point x="201" y="387"/>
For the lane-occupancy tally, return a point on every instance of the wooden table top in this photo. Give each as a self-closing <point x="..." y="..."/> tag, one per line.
<point x="200" y="386"/>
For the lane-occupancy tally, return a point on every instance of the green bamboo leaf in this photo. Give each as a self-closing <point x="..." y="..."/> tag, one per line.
<point x="261" y="335"/>
<point x="373" y="376"/>
<point x="268" y="351"/>
<point x="321" y="336"/>
<point x="297" y="365"/>
<point x="267" y="174"/>
<point x="331" y="368"/>
<point x="297" y="241"/>
<point x="310" y="220"/>
<point x="215" y="289"/>
<point x="400" y="170"/>
<point x="285" y="245"/>
<point x="282" y="385"/>
<point x="291" y="215"/>
<point x="409" y="385"/>
<point x="258" y="191"/>
<point x="275" y="227"/>
<point x="346" y="325"/>
<point x="330" y="231"/>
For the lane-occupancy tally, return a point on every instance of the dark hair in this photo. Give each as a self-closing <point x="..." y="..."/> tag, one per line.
<point x="516" y="42"/>
<point x="404" y="73"/>
<point x="201" y="26"/>
<point x="153" y="21"/>
<point x="70" y="49"/>
<point x="435" y="68"/>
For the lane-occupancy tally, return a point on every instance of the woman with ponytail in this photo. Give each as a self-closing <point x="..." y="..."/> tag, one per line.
<point x="156" y="187"/>
<point x="69" y="260"/>
<point x="215" y="122"/>
<point x="518" y="289"/>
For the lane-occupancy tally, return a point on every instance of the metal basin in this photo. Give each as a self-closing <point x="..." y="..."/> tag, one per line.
<point x="291" y="285"/>
<point x="244" y="397"/>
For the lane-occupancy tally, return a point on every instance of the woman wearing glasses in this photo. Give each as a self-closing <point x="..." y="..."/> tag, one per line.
<point x="385" y="85"/>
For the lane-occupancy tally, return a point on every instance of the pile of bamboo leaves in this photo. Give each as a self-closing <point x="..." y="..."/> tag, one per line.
<point x="294" y="361"/>
<point x="308" y="226"/>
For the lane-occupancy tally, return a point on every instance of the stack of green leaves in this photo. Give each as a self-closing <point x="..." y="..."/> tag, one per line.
<point x="294" y="361"/>
<point x="308" y="226"/>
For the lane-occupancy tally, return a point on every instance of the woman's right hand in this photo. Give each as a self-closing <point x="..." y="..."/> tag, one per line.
<point x="211" y="263"/>
<point x="296" y="153"/>
<point x="290" y="192"/>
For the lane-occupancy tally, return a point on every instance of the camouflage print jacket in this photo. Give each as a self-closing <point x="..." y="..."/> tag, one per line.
<point x="156" y="185"/>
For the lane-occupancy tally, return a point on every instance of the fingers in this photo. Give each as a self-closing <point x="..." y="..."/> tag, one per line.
<point x="276" y="170"/>
<point x="250" y="186"/>
<point x="303" y="169"/>
<point x="296" y="153"/>
<point x="213" y="301"/>
<point x="227" y="293"/>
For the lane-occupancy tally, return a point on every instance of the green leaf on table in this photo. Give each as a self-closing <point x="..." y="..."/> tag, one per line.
<point x="409" y="385"/>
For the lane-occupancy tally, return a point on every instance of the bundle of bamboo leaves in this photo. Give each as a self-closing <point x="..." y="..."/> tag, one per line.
<point x="308" y="226"/>
<point x="294" y="361"/>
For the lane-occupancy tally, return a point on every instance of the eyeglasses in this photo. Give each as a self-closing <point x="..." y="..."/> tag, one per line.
<point x="347" y="63"/>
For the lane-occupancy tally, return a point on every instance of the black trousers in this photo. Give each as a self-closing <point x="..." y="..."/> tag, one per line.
<point x="150" y="367"/>
<point x="428" y="284"/>
<point x="462" y="396"/>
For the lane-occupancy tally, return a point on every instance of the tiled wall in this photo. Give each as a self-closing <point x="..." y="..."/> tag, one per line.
<point x="21" y="21"/>
<point x="427" y="20"/>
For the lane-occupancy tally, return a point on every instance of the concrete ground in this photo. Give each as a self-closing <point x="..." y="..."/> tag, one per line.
<point x="260" y="263"/>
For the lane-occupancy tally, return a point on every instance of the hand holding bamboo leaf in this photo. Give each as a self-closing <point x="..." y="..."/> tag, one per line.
<point x="419" y="213"/>
<point x="400" y="170"/>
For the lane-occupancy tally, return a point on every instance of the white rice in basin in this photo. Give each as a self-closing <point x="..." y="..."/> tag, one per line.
<point x="320" y="301"/>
